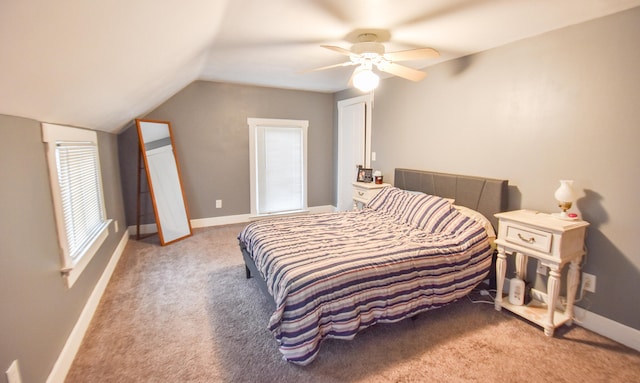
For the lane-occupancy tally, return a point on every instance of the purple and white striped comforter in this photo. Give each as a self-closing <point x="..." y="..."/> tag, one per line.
<point x="332" y="275"/>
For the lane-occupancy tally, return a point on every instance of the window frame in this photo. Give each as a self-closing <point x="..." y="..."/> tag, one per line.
<point x="254" y="142"/>
<point x="72" y="268"/>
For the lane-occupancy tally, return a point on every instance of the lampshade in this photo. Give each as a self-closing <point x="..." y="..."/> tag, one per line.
<point x="364" y="79"/>
<point x="565" y="191"/>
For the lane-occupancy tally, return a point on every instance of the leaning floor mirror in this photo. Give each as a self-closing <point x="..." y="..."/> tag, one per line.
<point x="163" y="176"/>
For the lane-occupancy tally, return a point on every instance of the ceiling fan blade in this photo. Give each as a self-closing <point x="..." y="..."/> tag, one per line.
<point x="340" y="50"/>
<point x="413" y="54"/>
<point x="403" y="71"/>
<point x="347" y="63"/>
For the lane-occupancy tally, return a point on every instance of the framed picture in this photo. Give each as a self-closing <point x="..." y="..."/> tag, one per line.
<point x="365" y="175"/>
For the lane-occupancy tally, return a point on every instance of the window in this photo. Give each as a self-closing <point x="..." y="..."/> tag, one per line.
<point x="278" y="154"/>
<point x="76" y="186"/>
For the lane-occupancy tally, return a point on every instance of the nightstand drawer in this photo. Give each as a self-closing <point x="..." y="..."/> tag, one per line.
<point x="364" y="194"/>
<point x="529" y="237"/>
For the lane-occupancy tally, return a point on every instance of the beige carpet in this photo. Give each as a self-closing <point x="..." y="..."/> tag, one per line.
<point x="186" y="313"/>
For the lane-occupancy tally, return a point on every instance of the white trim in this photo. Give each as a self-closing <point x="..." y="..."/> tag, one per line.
<point x="314" y="210"/>
<point x="606" y="327"/>
<point x="72" y="268"/>
<point x="218" y="221"/>
<point x="72" y="345"/>
<point x="341" y="189"/>
<point x="53" y="132"/>
<point x="256" y="145"/>
<point x="226" y="220"/>
<point x="72" y="275"/>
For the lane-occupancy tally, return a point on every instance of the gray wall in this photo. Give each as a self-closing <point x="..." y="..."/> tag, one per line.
<point x="209" y="123"/>
<point x="559" y="106"/>
<point x="38" y="310"/>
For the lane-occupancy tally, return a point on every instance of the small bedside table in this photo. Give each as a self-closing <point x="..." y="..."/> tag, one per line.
<point x="364" y="191"/>
<point x="554" y="242"/>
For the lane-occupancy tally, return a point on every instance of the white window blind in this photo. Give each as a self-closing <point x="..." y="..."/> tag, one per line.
<point x="76" y="187"/>
<point x="80" y="192"/>
<point x="280" y="176"/>
<point x="279" y="161"/>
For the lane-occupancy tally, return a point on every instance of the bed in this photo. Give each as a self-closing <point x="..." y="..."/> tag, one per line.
<point x="417" y="246"/>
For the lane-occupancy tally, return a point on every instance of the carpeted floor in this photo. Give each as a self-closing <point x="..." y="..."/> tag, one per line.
<point x="186" y="313"/>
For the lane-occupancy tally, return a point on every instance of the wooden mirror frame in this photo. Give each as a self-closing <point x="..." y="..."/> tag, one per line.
<point x="165" y="181"/>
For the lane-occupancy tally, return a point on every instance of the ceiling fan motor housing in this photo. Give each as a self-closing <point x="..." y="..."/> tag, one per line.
<point x="368" y="48"/>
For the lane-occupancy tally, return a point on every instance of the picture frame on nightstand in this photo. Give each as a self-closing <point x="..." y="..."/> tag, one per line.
<point x="365" y="175"/>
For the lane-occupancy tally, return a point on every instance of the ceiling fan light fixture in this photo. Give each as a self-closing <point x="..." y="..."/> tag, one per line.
<point x="368" y="51"/>
<point x="364" y="79"/>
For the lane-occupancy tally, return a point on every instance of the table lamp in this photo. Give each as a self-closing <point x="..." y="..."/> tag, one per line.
<point x="565" y="197"/>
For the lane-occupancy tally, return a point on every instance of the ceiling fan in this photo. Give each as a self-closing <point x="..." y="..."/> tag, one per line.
<point x="368" y="52"/>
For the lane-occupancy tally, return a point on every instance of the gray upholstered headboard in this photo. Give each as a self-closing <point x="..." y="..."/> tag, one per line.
<point x="486" y="195"/>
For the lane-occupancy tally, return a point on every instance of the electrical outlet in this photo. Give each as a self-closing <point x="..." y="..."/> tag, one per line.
<point x="115" y="225"/>
<point x="218" y="203"/>
<point x="13" y="373"/>
<point x="542" y="269"/>
<point x="588" y="282"/>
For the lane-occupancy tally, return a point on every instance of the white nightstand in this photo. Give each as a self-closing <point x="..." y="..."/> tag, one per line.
<point x="364" y="191"/>
<point x="554" y="242"/>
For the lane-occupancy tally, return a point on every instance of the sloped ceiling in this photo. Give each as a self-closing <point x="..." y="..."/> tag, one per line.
<point x="100" y="64"/>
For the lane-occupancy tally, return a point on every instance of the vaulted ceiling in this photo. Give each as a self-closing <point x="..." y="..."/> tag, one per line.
<point x="100" y="64"/>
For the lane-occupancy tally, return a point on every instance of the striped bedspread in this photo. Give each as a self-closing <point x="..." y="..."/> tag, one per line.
<point x="332" y="275"/>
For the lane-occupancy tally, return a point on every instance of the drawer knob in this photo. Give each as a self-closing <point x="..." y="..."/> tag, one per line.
<point x="360" y="193"/>
<point x="527" y="240"/>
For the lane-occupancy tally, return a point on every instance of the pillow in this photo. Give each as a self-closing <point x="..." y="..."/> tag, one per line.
<point x="477" y="216"/>
<point x="382" y="199"/>
<point x="392" y="201"/>
<point x="423" y="211"/>
<point x="427" y="212"/>
<point x="451" y="200"/>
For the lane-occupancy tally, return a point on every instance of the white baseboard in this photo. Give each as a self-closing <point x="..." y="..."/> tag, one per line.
<point x="606" y="327"/>
<point x="217" y="221"/>
<point x="623" y="334"/>
<point x="230" y="219"/>
<point x="71" y="347"/>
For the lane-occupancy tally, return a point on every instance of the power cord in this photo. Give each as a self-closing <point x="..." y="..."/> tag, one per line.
<point x="582" y="263"/>
<point x="484" y="293"/>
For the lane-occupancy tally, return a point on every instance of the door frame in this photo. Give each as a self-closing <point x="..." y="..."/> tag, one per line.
<point x="366" y="99"/>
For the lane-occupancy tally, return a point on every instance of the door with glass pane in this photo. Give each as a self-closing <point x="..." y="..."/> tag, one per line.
<point x="278" y="155"/>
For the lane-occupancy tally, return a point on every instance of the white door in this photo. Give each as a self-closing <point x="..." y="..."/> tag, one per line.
<point x="354" y="145"/>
